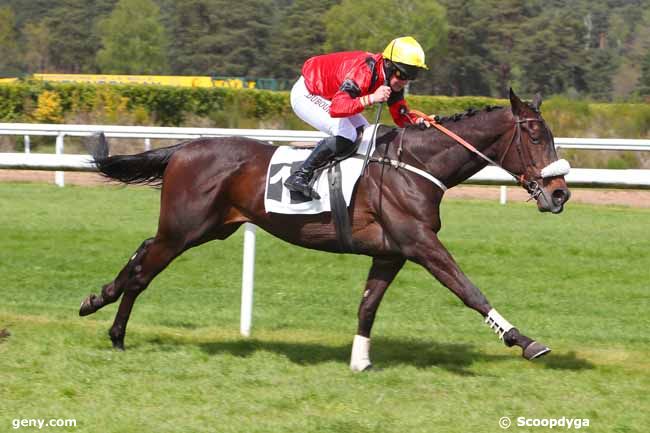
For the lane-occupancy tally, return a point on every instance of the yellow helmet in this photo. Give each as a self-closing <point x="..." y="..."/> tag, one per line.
<point x="405" y="50"/>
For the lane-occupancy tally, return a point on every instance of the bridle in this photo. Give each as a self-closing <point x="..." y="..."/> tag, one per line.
<point x="531" y="185"/>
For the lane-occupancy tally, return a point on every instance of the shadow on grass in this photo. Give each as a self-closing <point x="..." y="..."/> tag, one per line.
<point x="456" y="358"/>
<point x="565" y="361"/>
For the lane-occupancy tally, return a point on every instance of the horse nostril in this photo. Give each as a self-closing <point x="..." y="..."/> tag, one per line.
<point x="560" y="196"/>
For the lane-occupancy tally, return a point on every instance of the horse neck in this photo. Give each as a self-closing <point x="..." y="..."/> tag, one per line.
<point x="452" y="163"/>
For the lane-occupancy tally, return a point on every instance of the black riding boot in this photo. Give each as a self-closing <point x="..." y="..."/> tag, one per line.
<point x="300" y="179"/>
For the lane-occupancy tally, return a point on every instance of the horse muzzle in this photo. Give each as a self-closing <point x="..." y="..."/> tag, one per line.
<point x="553" y="192"/>
<point x="553" y="195"/>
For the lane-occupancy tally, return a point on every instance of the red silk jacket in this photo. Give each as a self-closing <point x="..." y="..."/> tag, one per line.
<point x="345" y="77"/>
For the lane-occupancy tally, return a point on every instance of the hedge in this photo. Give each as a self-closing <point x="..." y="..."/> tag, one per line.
<point x="37" y="101"/>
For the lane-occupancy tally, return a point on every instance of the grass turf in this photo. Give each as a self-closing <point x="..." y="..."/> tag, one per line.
<point x="577" y="282"/>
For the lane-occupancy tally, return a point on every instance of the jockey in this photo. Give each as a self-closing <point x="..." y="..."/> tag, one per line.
<point x="335" y="88"/>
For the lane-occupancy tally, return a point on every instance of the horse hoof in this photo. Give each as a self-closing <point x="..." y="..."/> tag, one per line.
<point x="118" y="345"/>
<point x="86" y="306"/>
<point x="362" y="368"/>
<point x="535" y="350"/>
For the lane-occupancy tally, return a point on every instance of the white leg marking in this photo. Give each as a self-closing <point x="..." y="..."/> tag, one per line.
<point x="360" y="359"/>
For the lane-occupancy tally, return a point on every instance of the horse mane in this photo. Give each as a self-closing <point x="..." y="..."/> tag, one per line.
<point x="470" y="112"/>
<point x="462" y="121"/>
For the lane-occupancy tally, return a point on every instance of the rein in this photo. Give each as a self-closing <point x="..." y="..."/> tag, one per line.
<point x="532" y="186"/>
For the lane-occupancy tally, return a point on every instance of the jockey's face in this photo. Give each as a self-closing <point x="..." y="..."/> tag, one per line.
<point x="397" y="84"/>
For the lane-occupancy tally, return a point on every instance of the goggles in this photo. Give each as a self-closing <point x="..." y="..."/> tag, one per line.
<point x="406" y="72"/>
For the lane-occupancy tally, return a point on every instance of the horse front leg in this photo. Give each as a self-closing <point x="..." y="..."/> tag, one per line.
<point x="382" y="272"/>
<point x="427" y="250"/>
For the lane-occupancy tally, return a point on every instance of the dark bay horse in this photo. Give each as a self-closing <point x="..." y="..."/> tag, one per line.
<point x="211" y="186"/>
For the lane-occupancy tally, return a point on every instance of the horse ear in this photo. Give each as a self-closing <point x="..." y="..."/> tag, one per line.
<point x="537" y="101"/>
<point x="515" y="103"/>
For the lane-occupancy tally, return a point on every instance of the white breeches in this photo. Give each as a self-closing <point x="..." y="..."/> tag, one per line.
<point x="315" y="110"/>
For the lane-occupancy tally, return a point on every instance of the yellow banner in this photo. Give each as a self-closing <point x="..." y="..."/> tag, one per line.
<point x="161" y="80"/>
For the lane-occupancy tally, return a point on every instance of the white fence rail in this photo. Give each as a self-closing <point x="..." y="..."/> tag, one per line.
<point x="490" y="175"/>
<point x="146" y="132"/>
<point x="60" y="162"/>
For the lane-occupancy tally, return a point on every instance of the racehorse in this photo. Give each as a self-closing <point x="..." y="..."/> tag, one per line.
<point x="211" y="186"/>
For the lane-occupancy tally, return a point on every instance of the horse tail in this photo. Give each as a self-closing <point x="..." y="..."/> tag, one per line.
<point x="145" y="168"/>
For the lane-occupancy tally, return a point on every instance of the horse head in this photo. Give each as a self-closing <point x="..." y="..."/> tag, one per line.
<point x="530" y="155"/>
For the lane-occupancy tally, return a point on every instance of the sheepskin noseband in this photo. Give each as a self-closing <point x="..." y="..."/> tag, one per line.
<point x="560" y="167"/>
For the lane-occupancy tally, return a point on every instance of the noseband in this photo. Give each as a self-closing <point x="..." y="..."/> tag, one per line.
<point x="531" y="185"/>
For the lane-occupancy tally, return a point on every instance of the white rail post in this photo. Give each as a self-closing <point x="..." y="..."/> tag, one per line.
<point x="59" y="178"/>
<point x="503" y="196"/>
<point x="147" y="144"/>
<point x="248" y="280"/>
<point x="28" y="147"/>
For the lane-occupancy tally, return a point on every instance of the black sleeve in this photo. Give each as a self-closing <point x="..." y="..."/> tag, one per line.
<point x="351" y="88"/>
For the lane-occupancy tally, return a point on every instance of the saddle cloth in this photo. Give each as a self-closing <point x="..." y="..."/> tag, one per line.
<point x="287" y="159"/>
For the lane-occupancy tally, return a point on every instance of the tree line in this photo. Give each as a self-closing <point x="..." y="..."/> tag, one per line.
<point x="598" y="49"/>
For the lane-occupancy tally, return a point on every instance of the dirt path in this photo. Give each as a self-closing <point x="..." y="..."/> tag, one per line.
<point x="633" y="198"/>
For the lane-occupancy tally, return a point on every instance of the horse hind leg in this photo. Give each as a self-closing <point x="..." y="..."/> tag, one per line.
<point x="112" y="291"/>
<point x="155" y="257"/>
<point x="381" y="274"/>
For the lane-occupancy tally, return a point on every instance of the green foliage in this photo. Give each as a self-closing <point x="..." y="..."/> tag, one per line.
<point x="167" y="105"/>
<point x="12" y="101"/>
<point x="584" y="48"/>
<point x="445" y="105"/>
<point x="9" y="53"/>
<point x="214" y="38"/>
<point x="365" y="25"/>
<point x="556" y="62"/>
<point x="598" y="77"/>
<point x="644" y="88"/>
<point x="440" y="369"/>
<point x="73" y="42"/>
<point x="133" y="40"/>
<point x="299" y="34"/>
<point x="37" y="47"/>
<point x="465" y="69"/>
<point x="238" y="107"/>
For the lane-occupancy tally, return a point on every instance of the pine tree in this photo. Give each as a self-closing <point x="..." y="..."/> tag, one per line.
<point x="213" y="38"/>
<point x="37" y="47"/>
<point x="9" y="62"/>
<point x="644" y="80"/>
<point x="133" y="39"/>
<point x="298" y="35"/>
<point x="365" y="25"/>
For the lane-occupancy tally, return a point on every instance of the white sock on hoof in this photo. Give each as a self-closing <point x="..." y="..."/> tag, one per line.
<point x="498" y="323"/>
<point x="360" y="359"/>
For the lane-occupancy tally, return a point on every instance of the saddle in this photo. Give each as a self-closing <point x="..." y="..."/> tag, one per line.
<point x="335" y="182"/>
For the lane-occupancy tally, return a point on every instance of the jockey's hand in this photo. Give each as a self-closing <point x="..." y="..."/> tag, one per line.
<point x="381" y="94"/>
<point x="422" y="123"/>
